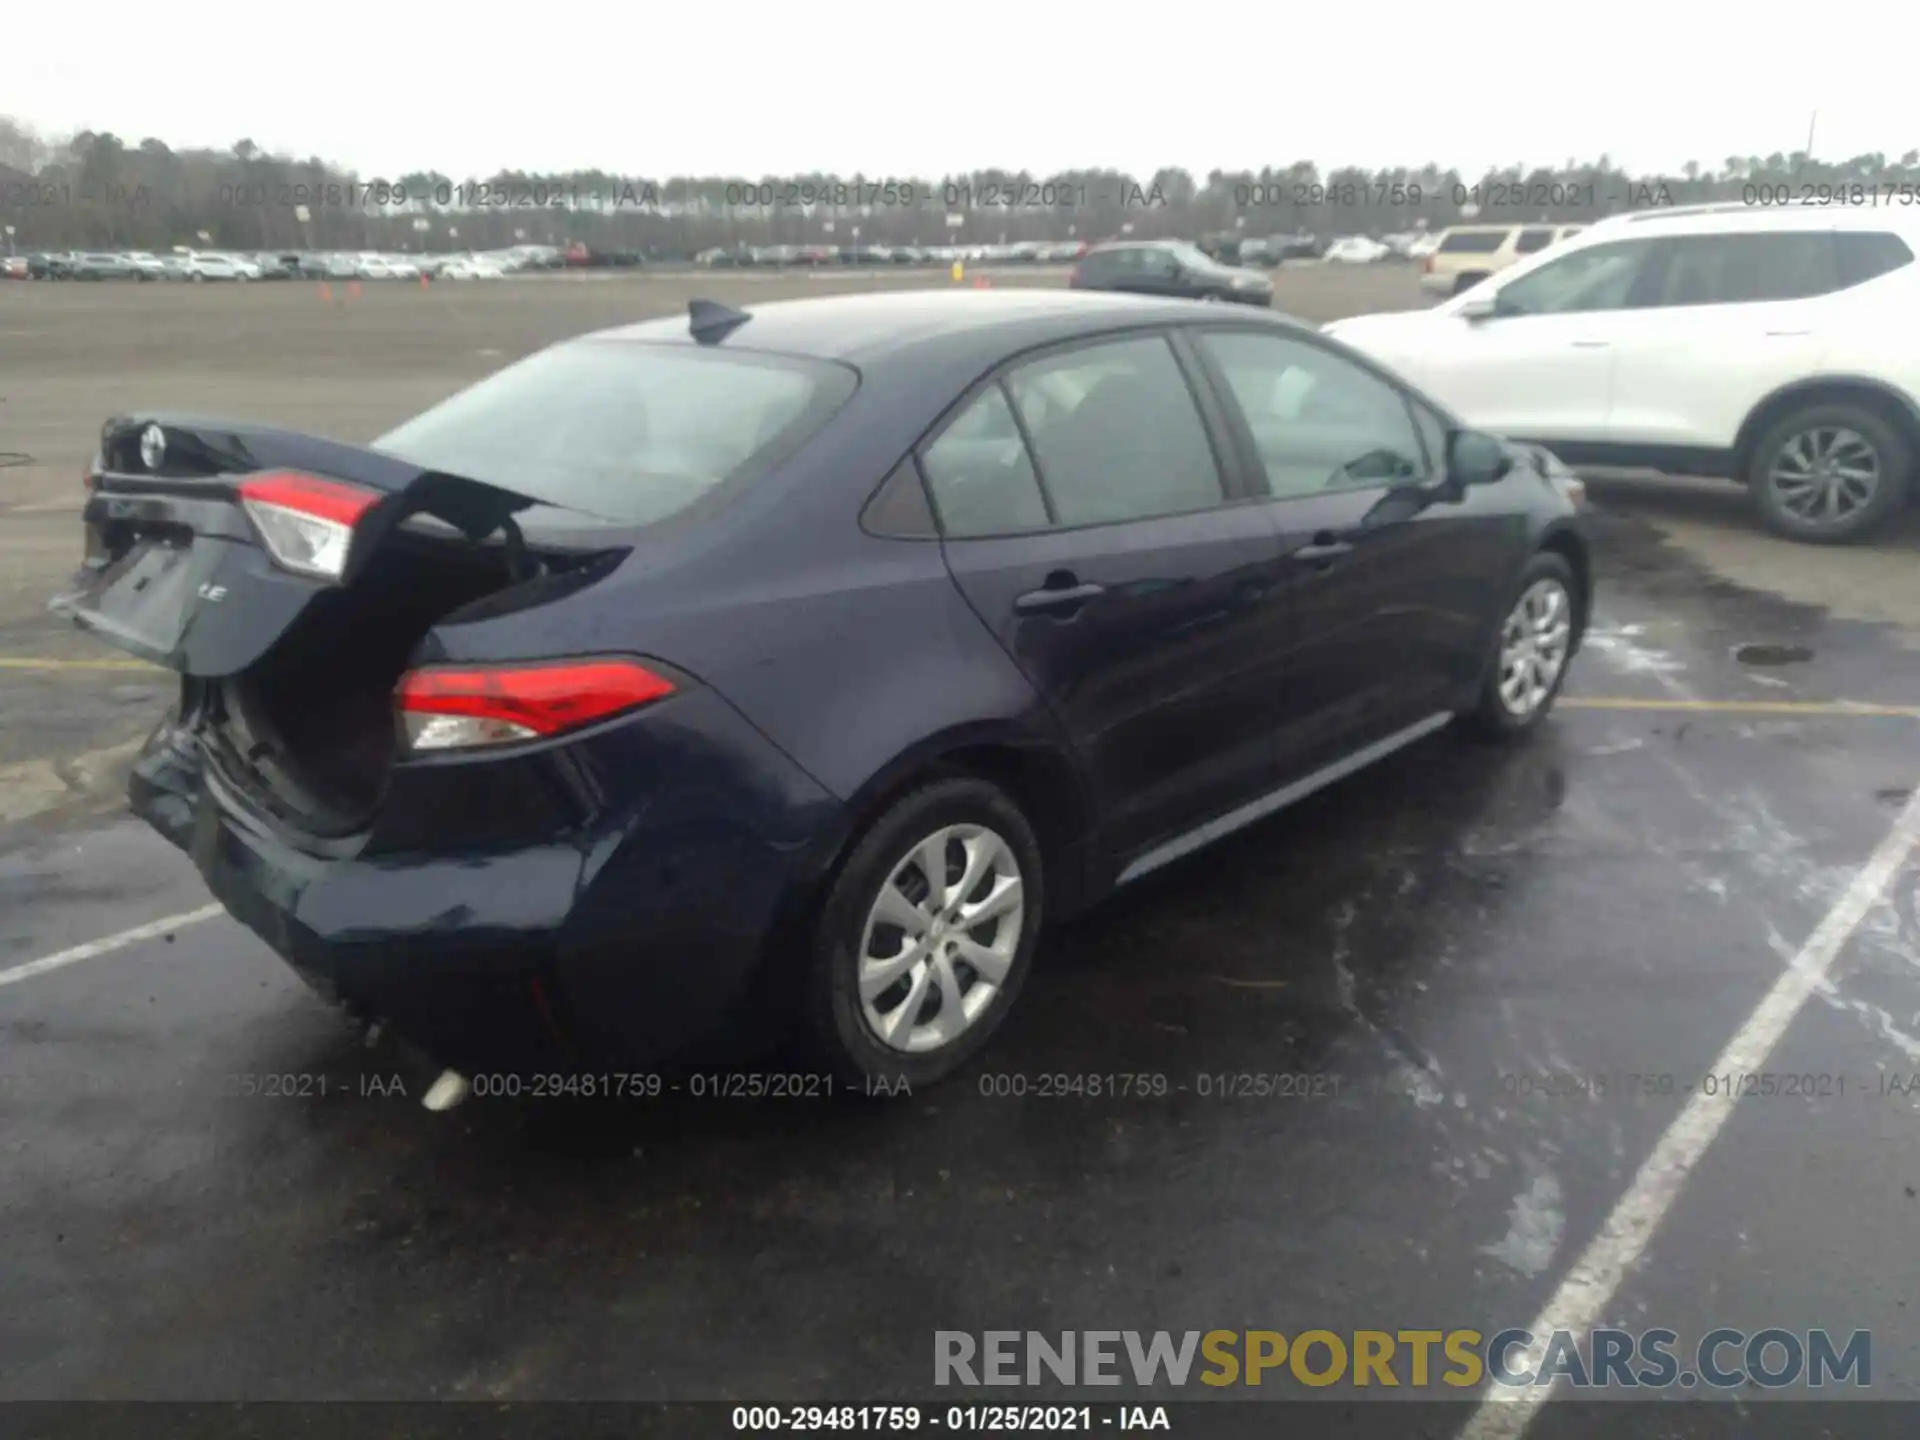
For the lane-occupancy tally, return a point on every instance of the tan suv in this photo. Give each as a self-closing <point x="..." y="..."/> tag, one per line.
<point x="1468" y="254"/>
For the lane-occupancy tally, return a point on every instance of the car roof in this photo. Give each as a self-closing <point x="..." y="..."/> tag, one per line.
<point x="861" y="328"/>
<point x="1733" y="218"/>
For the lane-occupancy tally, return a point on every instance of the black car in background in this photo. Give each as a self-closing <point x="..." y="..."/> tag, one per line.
<point x="1170" y="268"/>
<point x="794" y="665"/>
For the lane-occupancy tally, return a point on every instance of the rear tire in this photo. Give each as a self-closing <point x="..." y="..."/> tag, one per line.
<point x="1530" y="653"/>
<point x="1829" y="455"/>
<point x="1466" y="282"/>
<point x="874" y="1016"/>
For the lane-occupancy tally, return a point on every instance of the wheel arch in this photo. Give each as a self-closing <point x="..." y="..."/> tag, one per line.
<point x="1567" y="542"/>
<point x="1884" y="400"/>
<point x="1040" y="775"/>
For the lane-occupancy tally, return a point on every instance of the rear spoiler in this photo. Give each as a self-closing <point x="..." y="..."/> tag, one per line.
<point x="146" y="450"/>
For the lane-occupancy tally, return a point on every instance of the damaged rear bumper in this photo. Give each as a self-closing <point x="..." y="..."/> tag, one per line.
<point x="635" y="940"/>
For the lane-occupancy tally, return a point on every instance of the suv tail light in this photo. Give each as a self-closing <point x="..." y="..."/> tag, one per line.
<point x="306" y="522"/>
<point x="1073" y="276"/>
<point x="1426" y="265"/>
<point x="444" y="707"/>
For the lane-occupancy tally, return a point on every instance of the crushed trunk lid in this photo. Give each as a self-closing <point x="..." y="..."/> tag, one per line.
<point x="178" y="572"/>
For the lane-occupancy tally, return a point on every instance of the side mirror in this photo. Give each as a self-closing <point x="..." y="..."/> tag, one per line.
<point x="1476" y="458"/>
<point x="1479" y="307"/>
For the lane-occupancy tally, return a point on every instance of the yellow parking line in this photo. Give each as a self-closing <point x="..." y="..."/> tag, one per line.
<point x="1743" y="707"/>
<point x="34" y="662"/>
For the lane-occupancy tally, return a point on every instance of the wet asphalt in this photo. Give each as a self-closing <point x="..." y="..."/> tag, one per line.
<point x="1612" y="898"/>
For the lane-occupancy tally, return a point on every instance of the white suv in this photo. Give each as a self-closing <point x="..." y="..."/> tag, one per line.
<point x="1772" y="346"/>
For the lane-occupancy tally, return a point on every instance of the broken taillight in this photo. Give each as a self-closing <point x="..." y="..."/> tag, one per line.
<point x="447" y="707"/>
<point x="306" y="522"/>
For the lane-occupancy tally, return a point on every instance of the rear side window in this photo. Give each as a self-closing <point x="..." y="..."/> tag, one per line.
<point x="1863" y="255"/>
<point x="627" y="432"/>
<point x="1116" y="433"/>
<point x="1472" y="242"/>
<point x="980" y="474"/>
<point x="1103" y="264"/>
<point x="1531" y="241"/>
<point x="1747" y="268"/>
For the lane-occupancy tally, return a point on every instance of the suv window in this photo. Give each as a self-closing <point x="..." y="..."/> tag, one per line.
<point x="981" y="475"/>
<point x="1599" y="277"/>
<point x="1744" y="269"/>
<point x="1319" y="421"/>
<point x="1116" y="433"/>
<point x="1864" y="255"/>
<point x="1472" y="242"/>
<point x="1532" y="241"/>
<point x="1102" y="264"/>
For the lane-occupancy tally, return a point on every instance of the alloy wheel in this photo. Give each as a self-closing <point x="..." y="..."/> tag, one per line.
<point x="1533" y="646"/>
<point x="940" y="938"/>
<point x="1825" y="475"/>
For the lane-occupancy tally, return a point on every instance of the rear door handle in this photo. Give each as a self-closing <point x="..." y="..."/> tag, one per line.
<point x="1325" y="548"/>
<point x="1062" y="597"/>
<point x="1780" y="334"/>
<point x="1589" y="344"/>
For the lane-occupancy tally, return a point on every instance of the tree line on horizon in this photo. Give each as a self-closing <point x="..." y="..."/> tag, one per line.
<point x="97" y="191"/>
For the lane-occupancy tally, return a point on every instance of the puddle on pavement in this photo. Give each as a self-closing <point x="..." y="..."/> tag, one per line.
<point x="1771" y="654"/>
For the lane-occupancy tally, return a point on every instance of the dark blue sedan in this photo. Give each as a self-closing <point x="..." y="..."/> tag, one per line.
<point x="778" y="672"/>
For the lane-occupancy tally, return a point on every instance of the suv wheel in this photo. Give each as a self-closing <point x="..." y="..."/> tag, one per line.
<point x="1530" y="651"/>
<point x="925" y="937"/>
<point x="1829" y="473"/>
<point x="1466" y="282"/>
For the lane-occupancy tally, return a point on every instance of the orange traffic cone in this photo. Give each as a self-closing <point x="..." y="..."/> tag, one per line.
<point x="353" y="290"/>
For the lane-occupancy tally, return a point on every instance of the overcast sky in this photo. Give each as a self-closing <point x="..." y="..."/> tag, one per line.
<point x="928" y="86"/>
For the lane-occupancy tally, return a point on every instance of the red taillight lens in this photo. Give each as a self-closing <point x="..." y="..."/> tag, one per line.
<point x="1073" y="276"/>
<point x="306" y="522"/>
<point x="449" y="707"/>
<point x="1426" y="265"/>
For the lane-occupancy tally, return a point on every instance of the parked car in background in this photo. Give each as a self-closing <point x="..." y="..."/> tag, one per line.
<point x="470" y="267"/>
<point x="1356" y="250"/>
<point x="95" y="265"/>
<point x="1467" y="254"/>
<point x="146" y="265"/>
<point x="275" y="267"/>
<point x="602" y="793"/>
<point x="16" y="267"/>
<point x="1774" y="347"/>
<point x="1424" y="245"/>
<point x="216" y="267"/>
<point x="1174" y="268"/>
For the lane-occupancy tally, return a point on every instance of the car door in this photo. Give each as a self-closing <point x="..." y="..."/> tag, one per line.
<point x="1096" y="522"/>
<point x="1540" y="364"/>
<point x="1726" y="320"/>
<point x="1388" y="596"/>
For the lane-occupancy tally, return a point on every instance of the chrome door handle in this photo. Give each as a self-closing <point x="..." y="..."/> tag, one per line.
<point x="1589" y="344"/>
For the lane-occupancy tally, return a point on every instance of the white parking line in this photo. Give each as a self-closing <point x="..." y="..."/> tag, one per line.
<point x="88" y="951"/>
<point x="1584" y="1296"/>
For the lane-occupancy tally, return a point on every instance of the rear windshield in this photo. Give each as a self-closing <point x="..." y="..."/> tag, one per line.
<point x="624" y="431"/>
<point x="1473" y="242"/>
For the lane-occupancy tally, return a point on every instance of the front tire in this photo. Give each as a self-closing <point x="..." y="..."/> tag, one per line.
<point x="1829" y="474"/>
<point x="912" y="972"/>
<point x="1530" y="651"/>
